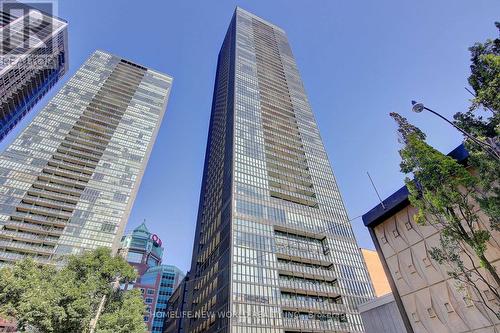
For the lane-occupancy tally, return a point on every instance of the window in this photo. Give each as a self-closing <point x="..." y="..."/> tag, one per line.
<point x="395" y="232"/>
<point x="383" y="239"/>
<point x="151" y="291"/>
<point x="149" y="300"/>
<point x="426" y="261"/>
<point x="448" y="307"/>
<point x="152" y="262"/>
<point x="431" y="312"/>
<point x="489" y="295"/>
<point x="134" y="257"/>
<point x="408" y="226"/>
<point x="108" y="227"/>
<point x="415" y="317"/>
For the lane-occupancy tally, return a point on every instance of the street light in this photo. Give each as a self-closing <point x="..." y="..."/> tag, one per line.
<point x="493" y="150"/>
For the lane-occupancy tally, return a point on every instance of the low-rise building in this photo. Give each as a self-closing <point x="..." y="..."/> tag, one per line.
<point x="167" y="279"/>
<point x="8" y="326"/>
<point x="144" y="251"/>
<point x="427" y="297"/>
<point x="381" y="315"/>
<point x="376" y="272"/>
<point x="176" y="308"/>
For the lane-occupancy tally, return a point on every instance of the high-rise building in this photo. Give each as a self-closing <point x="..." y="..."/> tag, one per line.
<point x="69" y="180"/>
<point x="33" y="57"/>
<point x="274" y="250"/>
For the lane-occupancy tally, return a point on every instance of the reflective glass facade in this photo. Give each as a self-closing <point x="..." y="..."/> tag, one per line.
<point x="27" y="70"/>
<point x="140" y="249"/>
<point x="143" y="250"/>
<point x="274" y="251"/>
<point x="171" y="276"/>
<point x="69" y="180"/>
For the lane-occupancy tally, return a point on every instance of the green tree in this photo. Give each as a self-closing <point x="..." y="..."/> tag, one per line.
<point x="444" y="192"/>
<point x="47" y="299"/>
<point x="485" y="73"/>
<point x="482" y="120"/>
<point x="447" y="193"/>
<point x="117" y="319"/>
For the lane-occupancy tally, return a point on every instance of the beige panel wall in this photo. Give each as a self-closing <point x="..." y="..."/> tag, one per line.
<point x="433" y="301"/>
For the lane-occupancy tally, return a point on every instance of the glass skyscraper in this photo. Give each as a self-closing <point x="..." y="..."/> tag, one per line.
<point x="274" y="251"/>
<point x="69" y="180"/>
<point x="33" y="57"/>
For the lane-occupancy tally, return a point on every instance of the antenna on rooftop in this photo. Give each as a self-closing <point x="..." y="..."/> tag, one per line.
<point x="470" y="92"/>
<point x="375" y="188"/>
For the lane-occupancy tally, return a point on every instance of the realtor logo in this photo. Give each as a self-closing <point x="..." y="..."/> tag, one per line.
<point x="26" y="26"/>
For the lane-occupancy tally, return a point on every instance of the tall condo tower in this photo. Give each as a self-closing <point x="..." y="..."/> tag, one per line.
<point x="274" y="250"/>
<point x="69" y="180"/>
<point x="33" y="57"/>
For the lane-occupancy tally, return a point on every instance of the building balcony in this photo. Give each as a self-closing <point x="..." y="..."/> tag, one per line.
<point x="39" y="219"/>
<point x="311" y="306"/>
<point x="28" y="237"/>
<point x="309" y="288"/>
<point x="83" y="140"/>
<point x="286" y="252"/>
<point x="59" y="188"/>
<point x="100" y="116"/>
<point x="65" y="181"/>
<point x="77" y="168"/>
<point x="309" y="272"/>
<point x="296" y="184"/>
<point x="71" y="149"/>
<point x="25" y="248"/>
<point x="34" y="228"/>
<point x="14" y="257"/>
<point x="76" y="160"/>
<point x="311" y="325"/>
<point x="83" y="135"/>
<point x="289" y="176"/>
<point x="77" y="175"/>
<point x="52" y="195"/>
<point x="49" y="203"/>
<point x="93" y="147"/>
<point x="45" y="211"/>
<point x="86" y="127"/>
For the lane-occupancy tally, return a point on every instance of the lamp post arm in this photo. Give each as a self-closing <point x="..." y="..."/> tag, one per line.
<point x="452" y="124"/>
<point x="493" y="150"/>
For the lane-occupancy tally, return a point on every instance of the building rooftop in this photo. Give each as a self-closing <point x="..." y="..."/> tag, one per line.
<point x="258" y="18"/>
<point x="376" y="302"/>
<point x="399" y="199"/>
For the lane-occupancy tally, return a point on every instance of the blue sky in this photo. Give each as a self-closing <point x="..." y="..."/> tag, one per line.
<point x="359" y="61"/>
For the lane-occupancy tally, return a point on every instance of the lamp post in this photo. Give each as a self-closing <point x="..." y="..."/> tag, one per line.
<point x="491" y="149"/>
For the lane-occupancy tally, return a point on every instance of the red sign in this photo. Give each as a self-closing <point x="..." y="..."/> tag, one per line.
<point x="156" y="239"/>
